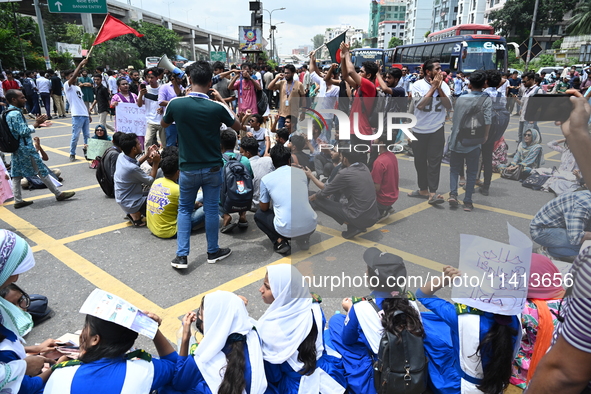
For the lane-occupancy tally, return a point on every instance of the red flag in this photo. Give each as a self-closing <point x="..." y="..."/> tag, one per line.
<point x="113" y="27"/>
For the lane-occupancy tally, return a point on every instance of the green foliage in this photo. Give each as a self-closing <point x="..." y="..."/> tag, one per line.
<point x="317" y="40"/>
<point x="157" y="40"/>
<point x="394" y="42"/>
<point x="427" y="33"/>
<point x="514" y="62"/>
<point x="556" y="44"/>
<point x="580" y="24"/>
<point x="9" y="40"/>
<point x="514" y="19"/>
<point x="61" y="61"/>
<point x="115" y="53"/>
<point x="545" y="60"/>
<point x="356" y="44"/>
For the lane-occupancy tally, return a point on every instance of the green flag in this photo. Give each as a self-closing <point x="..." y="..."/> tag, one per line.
<point x="333" y="47"/>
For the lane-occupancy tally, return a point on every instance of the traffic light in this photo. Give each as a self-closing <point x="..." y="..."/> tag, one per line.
<point x="256" y="19"/>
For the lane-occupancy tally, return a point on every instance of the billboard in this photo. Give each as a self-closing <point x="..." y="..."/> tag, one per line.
<point x="250" y="39"/>
<point x="74" y="49"/>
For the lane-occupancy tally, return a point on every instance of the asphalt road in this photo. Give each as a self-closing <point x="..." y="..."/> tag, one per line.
<point x="84" y="243"/>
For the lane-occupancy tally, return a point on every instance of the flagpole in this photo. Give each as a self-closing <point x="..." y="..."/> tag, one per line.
<point x="98" y="34"/>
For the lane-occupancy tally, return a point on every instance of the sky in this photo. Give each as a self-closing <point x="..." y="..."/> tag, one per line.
<point x="302" y="19"/>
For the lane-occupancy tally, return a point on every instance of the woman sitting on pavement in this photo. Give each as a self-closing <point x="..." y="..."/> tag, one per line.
<point x="296" y="360"/>
<point x="529" y="154"/>
<point x="19" y="373"/>
<point x="100" y="133"/>
<point x="565" y="179"/>
<point x="105" y="366"/>
<point x="538" y="319"/>
<point x="229" y="359"/>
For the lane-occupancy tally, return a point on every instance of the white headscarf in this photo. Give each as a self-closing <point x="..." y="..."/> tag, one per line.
<point x="224" y="313"/>
<point x="286" y="324"/>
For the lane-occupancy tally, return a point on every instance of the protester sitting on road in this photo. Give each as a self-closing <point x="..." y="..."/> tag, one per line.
<point x="385" y="177"/>
<point x="291" y="215"/>
<point x="356" y="335"/>
<point x="106" y="177"/>
<point x="53" y="172"/>
<point x="562" y="225"/>
<point x="299" y="158"/>
<point x="539" y="317"/>
<point x="251" y="126"/>
<point x="282" y="137"/>
<point x="496" y="342"/>
<point x="354" y="181"/>
<point x="26" y="161"/>
<point x="229" y="358"/>
<point x="228" y="143"/>
<point x="529" y="154"/>
<point x="19" y="373"/>
<point x="261" y="166"/>
<point x="291" y="332"/>
<point x="100" y="133"/>
<point x="129" y="178"/>
<point x="163" y="202"/>
<point x="499" y="157"/>
<point x="104" y="366"/>
<point x="564" y="180"/>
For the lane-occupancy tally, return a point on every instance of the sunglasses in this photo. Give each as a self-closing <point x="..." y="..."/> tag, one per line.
<point x="527" y="135"/>
<point x="103" y="130"/>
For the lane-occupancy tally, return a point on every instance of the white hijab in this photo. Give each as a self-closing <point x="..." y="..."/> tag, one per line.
<point x="286" y="324"/>
<point x="224" y="313"/>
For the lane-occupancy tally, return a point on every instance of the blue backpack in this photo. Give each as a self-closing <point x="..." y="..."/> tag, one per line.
<point x="500" y="119"/>
<point x="237" y="186"/>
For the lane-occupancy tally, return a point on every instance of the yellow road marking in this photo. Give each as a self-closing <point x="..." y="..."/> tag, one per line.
<point x="55" y="136"/>
<point x="86" y="234"/>
<point x="504" y="211"/>
<point x="59" y="152"/>
<point x="73" y="163"/>
<point x="52" y="195"/>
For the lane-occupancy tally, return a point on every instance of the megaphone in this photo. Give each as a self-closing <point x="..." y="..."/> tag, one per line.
<point x="167" y="64"/>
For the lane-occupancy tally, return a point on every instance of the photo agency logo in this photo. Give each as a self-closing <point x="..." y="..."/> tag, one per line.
<point x="375" y="128"/>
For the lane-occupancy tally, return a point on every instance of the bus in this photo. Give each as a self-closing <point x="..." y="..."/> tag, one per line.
<point x="465" y="53"/>
<point x="152" y="61"/>
<point x="460" y="30"/>
<point x="360" y="55"/>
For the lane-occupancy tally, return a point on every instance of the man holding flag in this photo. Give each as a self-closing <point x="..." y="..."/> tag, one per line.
<point x="80" y="113"/>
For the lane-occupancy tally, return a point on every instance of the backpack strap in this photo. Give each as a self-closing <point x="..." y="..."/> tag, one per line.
<point x="227" y="157"/>
<point x="375" y="306"/>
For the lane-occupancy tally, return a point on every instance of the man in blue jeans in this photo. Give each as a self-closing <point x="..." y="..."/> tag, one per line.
<point x="198" y="122"/>
<point x="562" y="225"/>
<point x="80" y="114"/>
<point x="464" y="151"/>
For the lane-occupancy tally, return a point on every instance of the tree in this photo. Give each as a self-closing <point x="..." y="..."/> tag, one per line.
<point x="317" y="40"/>
<point x="356" y="44"/>
<point x="394" y="42"/>
<point x="580" y="24"/>
<point x="427" y="33"/>
<point x="9" y="40"/>
<point x="157" y="40"/>
<point x="514" y="19"/>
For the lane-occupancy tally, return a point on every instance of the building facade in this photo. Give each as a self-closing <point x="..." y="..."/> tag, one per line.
<point x="445" y="14"/>
<point x="354" y="35"/>
<point x="383" y="10"/>
<point x="418" y="17"/>
<point x="389" y="29"/>
<point x="472" y="11"/>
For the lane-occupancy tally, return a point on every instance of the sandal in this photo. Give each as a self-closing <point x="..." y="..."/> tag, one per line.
<point x="136" y="223"/>
<point x="453" y="201"/>
<point x="462" y="183"/>
<point x="468" y="207"/>
<point x="242" y="224"/>
<point x="436" y="199"/>
<point x="228" y="227"/>
<point x="417" y="193"/>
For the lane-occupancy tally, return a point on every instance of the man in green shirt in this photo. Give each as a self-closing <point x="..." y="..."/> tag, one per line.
<point x="198" y="120"/>
<point x="85" y="83"/>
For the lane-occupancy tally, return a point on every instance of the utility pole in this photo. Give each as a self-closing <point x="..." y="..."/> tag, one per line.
<point x="18" y="33"/>
<point x="42" y="34"/>
<point x="531" y="36"/>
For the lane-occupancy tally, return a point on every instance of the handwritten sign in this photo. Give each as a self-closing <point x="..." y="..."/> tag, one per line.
<point x="495" y="275"/>
<point x="96" y="148"/>
<point x="129" y="118"/>
<point x="5" y="188"/>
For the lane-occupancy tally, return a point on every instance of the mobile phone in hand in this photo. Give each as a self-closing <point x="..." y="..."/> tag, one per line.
<point x="548" y="107"/>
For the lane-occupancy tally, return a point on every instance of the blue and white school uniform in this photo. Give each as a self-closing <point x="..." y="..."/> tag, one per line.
<point x="135" y="373"/>
<point x="457" y="370"/>
<point x="283" y="328"/>
<point x="11" y="349"/>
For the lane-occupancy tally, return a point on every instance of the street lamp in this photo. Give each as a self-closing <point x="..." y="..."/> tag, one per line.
<point x="169" y="3"/>
<point x="272" y="30"/>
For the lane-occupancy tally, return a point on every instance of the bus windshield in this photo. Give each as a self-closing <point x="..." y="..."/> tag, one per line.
<point x="363" y="55"/>
<point x="483" y="55"/>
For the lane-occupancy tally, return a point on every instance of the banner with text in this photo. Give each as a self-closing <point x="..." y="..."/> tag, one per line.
<point x="129" y="118"/>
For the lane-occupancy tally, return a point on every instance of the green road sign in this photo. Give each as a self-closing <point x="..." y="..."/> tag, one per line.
<point x="78" y="6"/>
<point x="218" y="56"/>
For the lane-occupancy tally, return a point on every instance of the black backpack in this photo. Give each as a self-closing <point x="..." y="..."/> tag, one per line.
<point x="103" y="177"/>
<point x="262" y="102"/>
<point x="401" y="364"/>
<point x="237" y="185"/>
<point x="500" y="119"/>
<point x="28" y="88"/>
<point x="8" y="143"/>
<point x="472" y="125"/>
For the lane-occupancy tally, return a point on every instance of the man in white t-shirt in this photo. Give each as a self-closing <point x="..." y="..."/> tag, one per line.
<point x="327" y="94"/>
<point x="287" y="187"/>
<point x="148" y="95"/>
<point x="80" y="114"/>
<point x="431" y="98"/>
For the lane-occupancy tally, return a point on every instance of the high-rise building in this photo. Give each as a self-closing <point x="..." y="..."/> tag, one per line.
<point x="471" y="12"/>
<point x="445" y="13"/>
<point x="354" y="35"/>
<point x="418" y="17"/>
<point x="389" y="29"/>
<point x="384" y="10"/>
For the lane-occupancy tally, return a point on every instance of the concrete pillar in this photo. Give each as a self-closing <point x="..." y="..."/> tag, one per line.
<point x="209" y="46"/>
<point x="192" y="43"/>
<point x="87" y="23"/>
<point x="127" y="17"/>
<point x="169" y="25"/>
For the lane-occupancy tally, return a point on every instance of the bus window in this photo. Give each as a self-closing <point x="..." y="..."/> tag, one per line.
<point x="426" y="54"/>
<point x="408" y="55"/>
<point x="418" y="57"/>
<point x="446" y="52"/>
<point x="437" y="51"/>
<point x="398" y="55"/>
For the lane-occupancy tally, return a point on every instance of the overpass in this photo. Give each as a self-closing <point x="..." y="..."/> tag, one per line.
<point x="191" y="35"/>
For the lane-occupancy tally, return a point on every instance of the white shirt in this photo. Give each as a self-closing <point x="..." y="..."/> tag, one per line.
<point x="113" y="85"/>
<point x="432" y="120"/>
<point x="288" y="188"/>
<point x="43" y="85"/>
<point x="75" y="98"/>
<point x="329" y="97"/>
<point x="525" y="98"/>
<point x="261" y="166"/>
<point x="152" y="106"/>
<point x="503" y="88"/>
